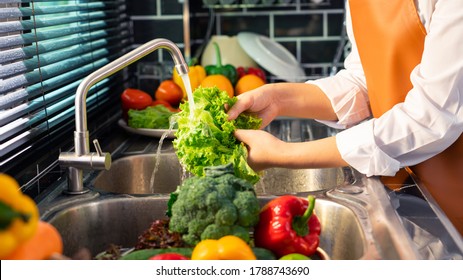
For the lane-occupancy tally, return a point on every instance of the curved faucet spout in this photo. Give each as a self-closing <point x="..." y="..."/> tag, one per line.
<point x="117" y="65"/>
<point x="82" y="158"/>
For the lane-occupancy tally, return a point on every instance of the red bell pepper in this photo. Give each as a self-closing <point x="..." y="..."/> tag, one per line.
<point x="288" y="225"/>
<point x="169" y="256"/>
<point x="251" y="70"/>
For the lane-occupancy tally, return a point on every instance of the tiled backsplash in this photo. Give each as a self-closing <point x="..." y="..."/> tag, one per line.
<point x="310" y="31"/>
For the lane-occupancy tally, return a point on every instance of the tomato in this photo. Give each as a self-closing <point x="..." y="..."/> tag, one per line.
<point x="165" y="104"/>
<point x="134" y="99"/>
<point x="161" y="102"/>
<point x="169" y="256"/>
<point x="170" y="92"/>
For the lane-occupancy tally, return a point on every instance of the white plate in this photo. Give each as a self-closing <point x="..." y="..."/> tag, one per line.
<point x="272" y="56"/>
<point x="157" y="133"/>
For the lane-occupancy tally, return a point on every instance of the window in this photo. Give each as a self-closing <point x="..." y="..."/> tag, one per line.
<point x="46" y="48"/>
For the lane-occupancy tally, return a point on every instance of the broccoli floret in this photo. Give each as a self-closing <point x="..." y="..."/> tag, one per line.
<point x="213" y="206"/>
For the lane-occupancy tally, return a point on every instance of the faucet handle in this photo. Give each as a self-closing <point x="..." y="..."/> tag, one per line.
<point x="97" y="147"/>
<point x="101" y="160"/>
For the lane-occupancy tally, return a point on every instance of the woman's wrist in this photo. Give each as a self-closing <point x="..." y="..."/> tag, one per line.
<point x="312" y="154"/>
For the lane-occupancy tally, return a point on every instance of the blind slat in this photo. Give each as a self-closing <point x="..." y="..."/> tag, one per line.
<point x="52" y="45"/>
<point x="27" y="1"/>
<point x="49" y="71"/>
<point x="55" y="114"/>
<point x="40" y="35"/>
<point x="7" y="13"/>
<point x="26" y="25"/>
<point x="18" y="96"/>
<point x="46" y="48"/>
<point x="35" y="104"/>
<point x="56" y="56"/>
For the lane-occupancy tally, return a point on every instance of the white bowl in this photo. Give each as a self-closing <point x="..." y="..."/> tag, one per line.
<point x="271" y="56"/>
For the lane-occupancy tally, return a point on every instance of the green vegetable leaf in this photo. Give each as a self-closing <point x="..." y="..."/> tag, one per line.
<point x="153" y="117"/>
<point x="206" y="137"/>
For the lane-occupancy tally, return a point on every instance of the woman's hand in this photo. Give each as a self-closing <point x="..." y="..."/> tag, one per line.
<point x="300" y="100"/>
<point x="258" y="102"/>
<point x="264" y="149"/>
<point x="267" y="151"/>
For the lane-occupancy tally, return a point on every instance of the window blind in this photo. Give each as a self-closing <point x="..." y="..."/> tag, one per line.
<point x="46" y="48"/>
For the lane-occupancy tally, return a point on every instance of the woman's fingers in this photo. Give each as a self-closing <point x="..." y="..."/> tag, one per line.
<point x="261" y="147"/>
<point x="240" y="106"/>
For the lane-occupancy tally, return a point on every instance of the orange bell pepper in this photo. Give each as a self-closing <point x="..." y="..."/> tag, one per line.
<point x="196" y="74"/>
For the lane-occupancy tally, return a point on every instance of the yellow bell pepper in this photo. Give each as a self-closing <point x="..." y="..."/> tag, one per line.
<point x="19" y="216"/>
<point x="196" y="74"/>
<point x="229" y="247"/>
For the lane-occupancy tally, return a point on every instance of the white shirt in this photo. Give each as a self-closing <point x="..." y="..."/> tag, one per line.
<point x="431" y="117"/>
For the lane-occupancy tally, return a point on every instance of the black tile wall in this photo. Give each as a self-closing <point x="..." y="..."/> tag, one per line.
<point x="146" y="30"/>
<point x="335" y="24"/>
<point x="137" y="7"/>
<point x="172" y="8"/>
<point x="318" y="51"/>
<point x="298" y="25"/>
<point x="310" y="32"/>
<point x="232" y="25"/>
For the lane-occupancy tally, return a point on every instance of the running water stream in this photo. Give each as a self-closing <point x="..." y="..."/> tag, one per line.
<point x="189" y="93"/>
<point x="187" y="84"/>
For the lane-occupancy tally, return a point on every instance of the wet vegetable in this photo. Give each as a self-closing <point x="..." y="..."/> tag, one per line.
<point x="159" y="236"/>
<point x="207" y="139"/>
<point x="295" y="256"/>
<point x="149" y="253"/>
<point x="228" y="247"/>
<point x="214" y="206"/>
<point x="153" y="117"/>
<point x="169" y="257"/>
<point x="288" y="225"/>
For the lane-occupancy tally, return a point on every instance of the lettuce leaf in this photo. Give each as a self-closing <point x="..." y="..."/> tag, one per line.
<point x="206" y="138"/>
<point x="154" y="117"/>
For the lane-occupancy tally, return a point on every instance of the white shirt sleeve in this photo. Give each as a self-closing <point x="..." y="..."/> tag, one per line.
<point x="431" y="117"/>
<point x="347" y="89"/>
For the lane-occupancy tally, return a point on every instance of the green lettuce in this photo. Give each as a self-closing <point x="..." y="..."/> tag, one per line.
<point x="154" y="117"/>
<point x="206" y="137"/>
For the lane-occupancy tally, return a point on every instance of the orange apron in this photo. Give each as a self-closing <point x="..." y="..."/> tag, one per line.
<point x="390" y="41"/>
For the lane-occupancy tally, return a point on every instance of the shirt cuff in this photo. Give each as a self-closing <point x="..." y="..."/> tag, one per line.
<point x="349" y="103"/>
<point x="358" y="148"/>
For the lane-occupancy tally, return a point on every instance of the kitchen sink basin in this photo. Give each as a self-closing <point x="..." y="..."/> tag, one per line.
<point x="135" y="175"/>
<point x="119" y="220"/>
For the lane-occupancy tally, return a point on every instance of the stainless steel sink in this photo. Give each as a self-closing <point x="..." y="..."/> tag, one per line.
<point x="119" y="220"/>
<point x="284" y="181"/>
<point x="359" y="220"/>
<point x="135" y="175"/>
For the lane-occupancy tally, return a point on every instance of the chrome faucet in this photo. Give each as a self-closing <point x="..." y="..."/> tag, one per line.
<point x="82" y="159"/>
